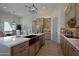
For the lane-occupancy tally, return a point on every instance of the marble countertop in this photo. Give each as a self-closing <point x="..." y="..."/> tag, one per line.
<point x="38" y="34"/>
<point x="10" y="41"/>
<point x="73" y="41"/>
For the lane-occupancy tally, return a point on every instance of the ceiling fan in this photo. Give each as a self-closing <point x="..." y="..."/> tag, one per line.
<point x="32" y="9"/>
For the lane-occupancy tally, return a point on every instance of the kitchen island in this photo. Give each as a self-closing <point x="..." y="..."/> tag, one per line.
<point x="18" y="46"/>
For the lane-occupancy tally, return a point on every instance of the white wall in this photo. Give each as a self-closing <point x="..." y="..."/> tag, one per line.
<point x="26" y="21"/>
<point x="44" y="13"/>
<point x="5" y="16"/>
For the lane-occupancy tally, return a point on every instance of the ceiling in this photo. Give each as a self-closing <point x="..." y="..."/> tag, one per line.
<point x="20" y="9"/>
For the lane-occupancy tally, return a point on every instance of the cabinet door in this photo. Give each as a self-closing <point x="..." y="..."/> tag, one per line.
<point x="62" y="45"/>
<point x="20" y="49"/>
<point x="67" y="9"/>
<point x="32" y="50"/>
<point x="66" y="19"/>
<point x="72" y="13"/>
<point x="39" y="21"/>
<point x="23" y="52"/>
<point x="77" y="14"/>
<point x="34" y="26"/>
<point x="47" y="24"/>
<point x="66" y="48"/>
<point x="37" y="46"/>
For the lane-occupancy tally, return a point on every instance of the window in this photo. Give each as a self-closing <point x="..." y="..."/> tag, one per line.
<point x="7" y="27"/>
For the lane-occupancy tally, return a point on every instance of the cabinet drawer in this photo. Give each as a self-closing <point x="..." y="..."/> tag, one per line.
<point x="21" y="53"/>
<point x="20" y="47"/>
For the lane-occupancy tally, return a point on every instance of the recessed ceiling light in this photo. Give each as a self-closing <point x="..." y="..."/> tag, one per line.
<point x="4" y="7"/>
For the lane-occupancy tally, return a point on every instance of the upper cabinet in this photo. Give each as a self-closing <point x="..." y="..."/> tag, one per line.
<point x="47" y="25"/>
<point x="77" y="14"/>
<point x="34" y="26"/>
<point x="39" y="21"/>
<point x="70" y="14"/>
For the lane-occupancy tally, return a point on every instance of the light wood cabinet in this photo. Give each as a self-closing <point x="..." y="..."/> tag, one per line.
<point x="37" y="47"/>
<point x="77" y="14"/>
<point x="46" y="23"/>
<point x="47" y="28"/>
<point x="67" y="48"/>
<point x="32" y="49"/>
<point x="48" y="36"/>
<point x="39" y="21"/>
<point x="20" y="49"/>
<point x="70" y="12"/>
<point x="34" y="26"/>
<point x="35" y="44"/>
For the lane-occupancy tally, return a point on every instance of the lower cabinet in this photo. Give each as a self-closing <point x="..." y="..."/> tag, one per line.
<point x="41" y="41"/>
<point x="32" y="49"/>
<point x="37" y="47"/>
<point x="67" y="48"/>
<point x="73" y="51"/>
<point x="20" y="49"/>
<point x="29" y="48"/>
<point x="36" y="44"/>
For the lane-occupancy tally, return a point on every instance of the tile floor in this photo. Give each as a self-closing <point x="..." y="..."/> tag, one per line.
<point x="50" y="49"/>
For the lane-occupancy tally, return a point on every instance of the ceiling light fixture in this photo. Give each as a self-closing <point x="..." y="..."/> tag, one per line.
<point x="32" y="9"/>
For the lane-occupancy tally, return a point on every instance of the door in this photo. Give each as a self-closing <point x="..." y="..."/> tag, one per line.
<point x="55" y="29"/>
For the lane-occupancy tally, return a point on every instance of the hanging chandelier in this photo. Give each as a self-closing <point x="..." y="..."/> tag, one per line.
<point x="32" y="9"/>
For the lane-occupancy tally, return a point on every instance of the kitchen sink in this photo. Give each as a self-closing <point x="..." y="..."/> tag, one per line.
<point x="76" y="37"/>
<point x="30" y="36"/>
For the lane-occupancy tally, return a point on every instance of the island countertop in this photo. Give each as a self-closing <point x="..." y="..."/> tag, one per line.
<point x="10" y="41"/>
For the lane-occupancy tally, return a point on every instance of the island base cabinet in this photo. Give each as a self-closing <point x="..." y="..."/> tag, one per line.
<point x="32" y="50"/>
<point x="22" y="53"/>
<point x="20" y="49"/>
<point x="37" y="47"/>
